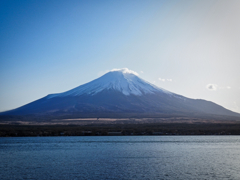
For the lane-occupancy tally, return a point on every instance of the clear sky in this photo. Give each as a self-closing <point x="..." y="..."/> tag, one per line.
<point x="188" y="47"/>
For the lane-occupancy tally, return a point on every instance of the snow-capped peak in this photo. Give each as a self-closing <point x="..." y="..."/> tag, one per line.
<point x="123" y="80"/>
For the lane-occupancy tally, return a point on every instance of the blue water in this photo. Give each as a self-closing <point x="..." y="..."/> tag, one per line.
<point x="122" y="157"/>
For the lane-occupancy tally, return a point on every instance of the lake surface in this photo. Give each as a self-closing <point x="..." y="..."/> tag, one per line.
<point x="121" y="157"/>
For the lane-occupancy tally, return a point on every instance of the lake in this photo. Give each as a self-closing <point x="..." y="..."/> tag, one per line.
<point x="120" y="157"/>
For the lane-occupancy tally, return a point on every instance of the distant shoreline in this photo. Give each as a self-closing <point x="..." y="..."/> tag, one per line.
<point x="112" y="127"/>
<point x="108" y="121"/>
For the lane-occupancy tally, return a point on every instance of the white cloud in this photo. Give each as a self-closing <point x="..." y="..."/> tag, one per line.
<point x="163" y="80"/>
<point x="212" y="87"/>
<point x="141" y="71"/>
<point x="160" y="79"/>
<point x="125" y="70"/>
<point x="228" y="87"/>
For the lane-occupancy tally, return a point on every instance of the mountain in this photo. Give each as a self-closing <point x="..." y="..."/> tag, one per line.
<point x="120" y="92"/>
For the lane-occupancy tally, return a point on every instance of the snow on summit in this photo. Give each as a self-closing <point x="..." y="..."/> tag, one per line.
<point x="123" y="80"/>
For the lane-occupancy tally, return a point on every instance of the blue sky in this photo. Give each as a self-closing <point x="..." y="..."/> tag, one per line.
<point x="187" y="47"/>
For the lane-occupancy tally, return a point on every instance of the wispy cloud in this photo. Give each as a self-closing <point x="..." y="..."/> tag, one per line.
<point x="126" y="70"/>
<point x="141" y="71"/>
<point x="228" y="87"/>
<point x="160" y="79"/>
<point x="163" y="80"/>
<point x="212" y="87"/>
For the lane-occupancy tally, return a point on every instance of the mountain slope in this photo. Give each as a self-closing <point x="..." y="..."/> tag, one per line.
<point x="122" y="80"/>
<point x="118" y="92"/>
